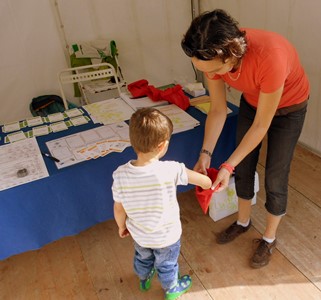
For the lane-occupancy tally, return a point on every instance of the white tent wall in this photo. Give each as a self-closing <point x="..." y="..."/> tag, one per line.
<point x="147" y="33"/>
<point x="300" y="22"/>
<point x="31" y="54"/>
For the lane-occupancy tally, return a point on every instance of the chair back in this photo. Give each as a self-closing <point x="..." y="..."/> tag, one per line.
<point x="88" y="79"/>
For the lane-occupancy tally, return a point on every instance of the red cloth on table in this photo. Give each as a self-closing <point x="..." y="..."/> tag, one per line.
<point x="154" y="93"/>
<point x="204" y="196"/>
<point x="174" y="95"/>
<point x="138" y="88"/>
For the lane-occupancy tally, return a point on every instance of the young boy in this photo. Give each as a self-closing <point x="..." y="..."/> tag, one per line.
<point x="146" y="206"/>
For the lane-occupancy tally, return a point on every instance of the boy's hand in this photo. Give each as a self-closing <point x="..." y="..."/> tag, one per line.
<point x="123" y="232"/>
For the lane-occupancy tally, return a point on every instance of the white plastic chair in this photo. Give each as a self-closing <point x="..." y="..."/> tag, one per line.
<point x="90" y="78"/>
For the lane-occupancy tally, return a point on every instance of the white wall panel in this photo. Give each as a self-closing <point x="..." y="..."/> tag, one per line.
<point x="147" y="33"/>
<point x="300" y="22"/>
<point x="30" y="55"/>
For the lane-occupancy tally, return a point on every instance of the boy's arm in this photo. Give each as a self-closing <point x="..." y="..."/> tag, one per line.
<point x="198" y="179"/>
<point x="120" y="217"/>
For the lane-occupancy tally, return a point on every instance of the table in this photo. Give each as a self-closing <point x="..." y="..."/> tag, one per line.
<point x="75" y="198"/>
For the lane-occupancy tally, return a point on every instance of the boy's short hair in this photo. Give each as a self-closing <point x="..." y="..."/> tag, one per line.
<point x="148" y="127"/>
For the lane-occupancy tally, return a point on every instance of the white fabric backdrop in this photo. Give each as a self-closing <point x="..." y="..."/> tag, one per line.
<point x="147" y="33"/>
<point x="300" y="22"/>
<point x="31" y="55"/>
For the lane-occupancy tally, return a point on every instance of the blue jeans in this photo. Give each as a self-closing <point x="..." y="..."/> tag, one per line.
<point x="283" y="135"/>
<point x="165" y="261"/>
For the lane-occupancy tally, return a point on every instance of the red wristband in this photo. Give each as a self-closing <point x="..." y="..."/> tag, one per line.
<point x="228" y="167"/>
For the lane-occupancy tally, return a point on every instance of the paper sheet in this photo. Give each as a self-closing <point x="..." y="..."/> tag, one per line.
<point x="89" y="144"/>
<point x="109" y="111"/>
<point x="205" y="107"/>
<point x="141" y="102"/>
<point x="182" y="121"/>
<point x="11" y="127"/>
<point x="21" y="162"/>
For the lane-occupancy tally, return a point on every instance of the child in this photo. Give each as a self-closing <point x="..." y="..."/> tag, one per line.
<point x="146" y="206"/>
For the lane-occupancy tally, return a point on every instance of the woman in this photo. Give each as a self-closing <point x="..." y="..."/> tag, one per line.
<point x="265" y="67"/>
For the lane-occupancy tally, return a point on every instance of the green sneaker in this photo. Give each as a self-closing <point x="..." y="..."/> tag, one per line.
<point x="145" y="284"/>
<point x="183" y="285"/>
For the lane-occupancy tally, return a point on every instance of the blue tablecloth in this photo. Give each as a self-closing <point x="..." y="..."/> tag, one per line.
<point x="75" y="198"/>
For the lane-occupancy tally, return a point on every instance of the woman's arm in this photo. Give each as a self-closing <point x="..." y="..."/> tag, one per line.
<point x="267" y="106"/>
<point x="214" y="122"/>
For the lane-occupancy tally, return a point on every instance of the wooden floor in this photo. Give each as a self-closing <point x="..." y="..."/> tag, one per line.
<point x="97" y="264"/>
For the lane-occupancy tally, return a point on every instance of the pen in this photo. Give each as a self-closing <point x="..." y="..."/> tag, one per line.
<point x="51" y="157"/>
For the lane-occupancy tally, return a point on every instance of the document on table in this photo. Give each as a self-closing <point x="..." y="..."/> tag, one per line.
<point x="205" y="107"/>
<point x="15" y="137"/>
<point x="11" y="127"/>
<point x="21" y="162"/>
<point x="89" y="144"/>
<point x="35" y="121"/>
<point x="182" y="121"/>
<point x="109" y="111"/>
<point x="136" y="103"/>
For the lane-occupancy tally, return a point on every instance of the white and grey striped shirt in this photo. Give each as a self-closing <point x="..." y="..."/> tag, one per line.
<point x="148" y="195"/>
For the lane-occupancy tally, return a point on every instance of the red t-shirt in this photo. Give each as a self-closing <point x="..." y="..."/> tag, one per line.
<point x="270" y="62"/>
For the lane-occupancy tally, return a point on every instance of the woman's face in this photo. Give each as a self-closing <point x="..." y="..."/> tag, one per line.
<point x="212" y="67"/>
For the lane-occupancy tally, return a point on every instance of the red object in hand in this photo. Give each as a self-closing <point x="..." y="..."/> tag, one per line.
<point x="204" y="196"/>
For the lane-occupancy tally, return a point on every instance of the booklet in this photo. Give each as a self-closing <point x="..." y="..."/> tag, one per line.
<point x="136" y="103"/>
<point x="182" y="121"/>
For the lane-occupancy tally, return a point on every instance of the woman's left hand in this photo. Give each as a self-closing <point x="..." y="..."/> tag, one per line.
<point x="222" y="179"/>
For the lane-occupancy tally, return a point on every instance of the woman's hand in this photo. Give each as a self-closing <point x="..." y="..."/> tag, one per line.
<point x="202" y="164"/>
<point x="222" y="179"/>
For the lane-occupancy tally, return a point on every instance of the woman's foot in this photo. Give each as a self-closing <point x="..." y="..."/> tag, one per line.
<point x="262" y="254"/>
<point x="232" y="232"/>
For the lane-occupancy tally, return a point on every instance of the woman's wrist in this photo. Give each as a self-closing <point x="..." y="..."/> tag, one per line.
<point x="228" y="167"/>
<point x="209" y="153"/>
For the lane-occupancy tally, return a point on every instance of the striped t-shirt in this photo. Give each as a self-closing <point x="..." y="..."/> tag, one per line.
<point x="148" y="195"/>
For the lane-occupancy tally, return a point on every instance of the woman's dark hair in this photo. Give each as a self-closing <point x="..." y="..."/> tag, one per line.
<point x="214" y="34"/>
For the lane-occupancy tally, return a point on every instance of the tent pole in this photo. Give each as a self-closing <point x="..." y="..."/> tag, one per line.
<point x="61" y="30"/>
<point x="195" y="8"/>
<point x="195" y="12"/>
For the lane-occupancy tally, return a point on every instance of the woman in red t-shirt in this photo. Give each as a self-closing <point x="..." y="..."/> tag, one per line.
<point x="265" y="67"/>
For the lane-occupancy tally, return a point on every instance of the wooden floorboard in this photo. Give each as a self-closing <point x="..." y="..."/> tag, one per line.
<point x="97" y="264"/>
<point x="299" y="234"/>
<point x="305" y="175"/>
<point x="224" y="269"/>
